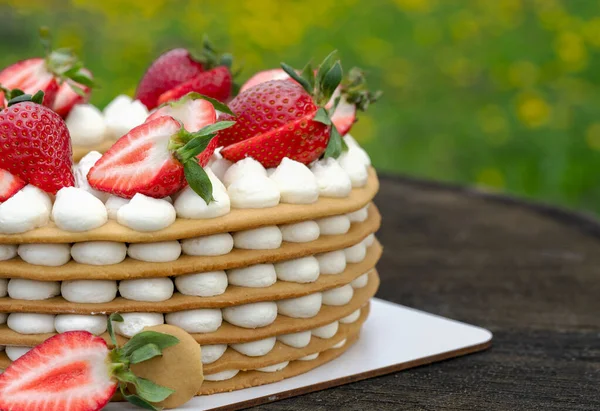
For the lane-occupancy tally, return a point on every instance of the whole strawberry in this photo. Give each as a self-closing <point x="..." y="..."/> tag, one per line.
<point x="177" y="73"/>
<point x="282" y="118"/>
<point x="160" y="157"/>
<point x="35" y="144"/>
<point x="49" y="74"/>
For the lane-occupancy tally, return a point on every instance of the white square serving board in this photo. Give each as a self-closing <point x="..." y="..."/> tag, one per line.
<point x="393" y="338"/>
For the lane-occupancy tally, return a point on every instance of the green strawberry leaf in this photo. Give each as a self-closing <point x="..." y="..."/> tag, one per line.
<point x="331" y="80"/>
<point x="213" y="128"/>
<point x="198" y="180"/>
<point x="308" y="74"/>
<point x="292" y="73"/>
<point x="325" y="67"/>
<point x="150" y="391"/>
<point x="145" y="353"/>
<point x="114" y="317"/>
<point x="135" y="400"/>
<point x="139" y="340"/>
<point x="322" y="117"/>
<point x="194" y="147"/>
<point x="336" y="144"/>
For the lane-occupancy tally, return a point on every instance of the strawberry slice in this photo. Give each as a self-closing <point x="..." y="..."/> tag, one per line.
<point x="344" y="116"/>
<point x="157" y="159"/>
<point x="66" y="97"/>
<point x="169" y="70"/>
<point x="9" y="185"/>
<point x="30" y="76"/>
<point x="216" y="83"/>
<point x="193" y="112"/>
<point x="67" y="372"/>
<point x="76" y="371"/>
<point x="263" y="77"/>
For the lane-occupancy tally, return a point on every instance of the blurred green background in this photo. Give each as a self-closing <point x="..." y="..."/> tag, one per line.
<point x="502" y="94"/>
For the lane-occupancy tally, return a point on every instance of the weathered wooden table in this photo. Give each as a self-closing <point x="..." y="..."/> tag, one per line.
<point x="527" y="272"/>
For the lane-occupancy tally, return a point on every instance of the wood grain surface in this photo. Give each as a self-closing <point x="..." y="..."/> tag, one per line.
<point x="530" y="273"/>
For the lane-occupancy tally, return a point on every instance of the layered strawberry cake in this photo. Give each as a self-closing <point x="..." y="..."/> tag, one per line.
<point x="246" y="221"/>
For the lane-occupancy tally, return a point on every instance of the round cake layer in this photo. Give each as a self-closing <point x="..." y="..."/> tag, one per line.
<point x="130" y="268"/>
<point x="228" y="333"/>
<point x="234" y="295"/>
<point x="236" y="220"/>
<point x="280" y="351"/>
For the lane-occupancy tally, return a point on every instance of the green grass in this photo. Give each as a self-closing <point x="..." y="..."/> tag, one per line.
<point x="497" y="93"/>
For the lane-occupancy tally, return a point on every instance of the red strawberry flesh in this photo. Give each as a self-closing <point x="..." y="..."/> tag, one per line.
<point x="166" y="72"/>
<point x="216" y="83"/>
<point x="68" y="372"/>
<point x="9" y="185"/>
<point x="264" y="76"/>
<point x="31" y="76"/>
<point x="194" y="114"/>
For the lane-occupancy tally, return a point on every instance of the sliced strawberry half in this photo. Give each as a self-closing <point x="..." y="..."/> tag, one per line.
<point x="31" y="75"/>
<point x="216" y="83"/>
<point x="67" y="372"/>
<point x="76" y="371"/>
<point x="157" y="159"/>
<point x="344" y="116"/>
<point x="193" y="112"/>
<point x="264" y="76"/>
<point x="67" y="97"/>
<point x="9" y="185"/>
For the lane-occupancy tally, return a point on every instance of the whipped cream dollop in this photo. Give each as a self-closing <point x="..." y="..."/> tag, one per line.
<point x="245" y="167"/>
<point x="210" y="245"/>
<point x="221" y="376"/>
<point x="361" y="281"/>
<point x="301" y="307"/>
<point x="122" y="114"/>
<point x="297" y="340"/>
<point x="190" y="205"/>
<point x="133" y="323"/>
<point x="353" y="145"/>
<point x="7" y="251"/>
<point x="146" y="214"/>
<point x="205" y="284"/>
<point x="351" y="318"/>
<point x="352" y="163"/>
<point x="299" y="270"/>
<point x="252" y="315"/>
<point x="24" y="289"/>
<point x="95" y="324"/>
<point x="326" y="331"/>
<point x="159" y="252"/>
<point x="309" y="357"/>
<point x="332" y="180"/>
<point x="218" y="164"/>
<point x="262" y="238"/>
<point x="86" y="125"/>
<point x="359" y="216"/>
<point x="296" y="183"/>
<point x="113" y="204"/>
<point x="50" y="255"/>
<point x="255" y="276"/>
<point x="31" y="323"/>
<point x="334" y="225"/>
<point x="99" y="252"/>
<point x="333" y="262"/>
<point x="204" y="320"/>
<point x="338" y="296"/>
<point x="339" y="345"/>
<point x="253" y="191"/>
<point x="256" y="348"/>
<point x="274" y="368"/>
<point x="369" y="240"/>
<point x="356" y="253"/>
<point x="77" y="210"/>
<point x="147" y="289"/>
<point x="211" y="353"/>
<point x="28" y="209"/>
<point x="15" y="352"/>
<point x="81" y="170"/>
<point x="89" y="291"/>
<point x="302" y="232"/>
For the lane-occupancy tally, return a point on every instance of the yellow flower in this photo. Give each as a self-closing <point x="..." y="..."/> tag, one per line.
<point x="523" y="74"/>
<point x="571" y="50"/>
<point x="491" y="177"/>
<point x="464" y="25"/>
<point x="532" y="110"/>
<point x="591" y="32"/>
<point x="415" y="6"/>
<point x="592" y="136"/>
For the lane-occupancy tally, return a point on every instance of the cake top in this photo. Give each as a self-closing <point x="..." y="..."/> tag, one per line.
<point x="181" y="152"/>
